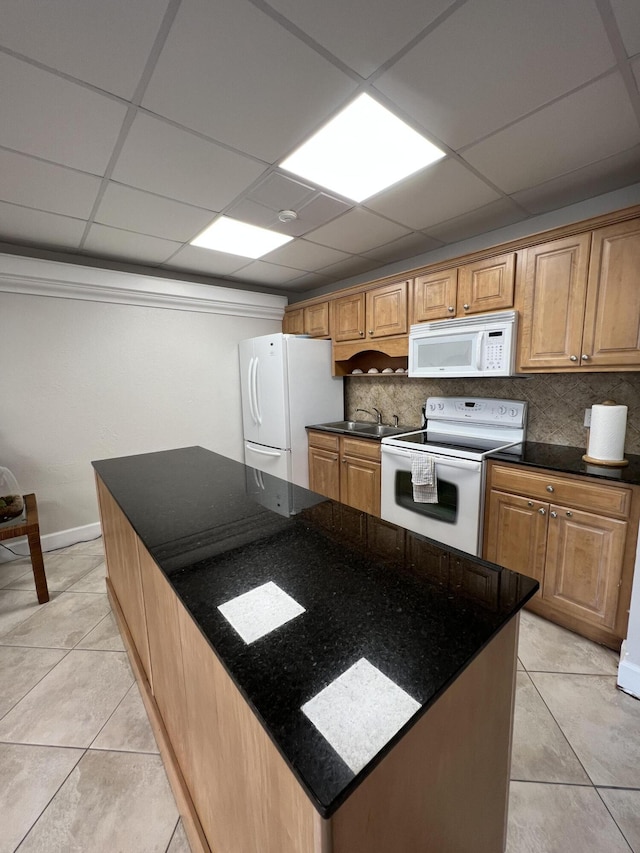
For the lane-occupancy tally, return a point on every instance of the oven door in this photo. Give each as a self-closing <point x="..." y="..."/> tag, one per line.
<point x="455" y="519"/>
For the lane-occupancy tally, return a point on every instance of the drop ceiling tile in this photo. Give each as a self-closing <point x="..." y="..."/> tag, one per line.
<point x="345" y="269"/>
<point x="587" y="126"/>
<point x="405" y="247"/>
<point x="24" y="225"/>
<point x="493" y="61"/>
<point x="161" y="158"/>
<point x="260" y="272"/>
<point x="635" y="67"/>
<point x="105" y="44"/>
<point x="357" y="231"/>
<point x="498" y="214"/>
<point x="116" y="243"/>
<point x="322" y="209"/>
<point x="44" y="115"/>
<point x="303" y="255"/>
<point x="606" y="175"/>
<point x="255" y="214"/>
<point x="437" y="193"/>
<point x="138" y="211"/>
<point x="379" y="35"/>
<point x="34" y="183"/>
<point x="627" y="14"/>
<point x="281" y="193"/>
<point x="223" y="72"/>
<point x="206" y="261"/>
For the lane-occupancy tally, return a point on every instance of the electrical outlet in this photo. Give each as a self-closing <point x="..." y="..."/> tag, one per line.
<point x="587" y="417"/>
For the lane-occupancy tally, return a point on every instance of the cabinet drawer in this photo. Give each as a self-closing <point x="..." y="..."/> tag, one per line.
<point x="361" y="447"/>
<point x="583" y="493"/>
<point x="324" y="440"/>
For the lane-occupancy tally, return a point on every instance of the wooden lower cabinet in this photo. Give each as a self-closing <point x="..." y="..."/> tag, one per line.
<point x="345" y="469"/>
<point x="583" y="560"/>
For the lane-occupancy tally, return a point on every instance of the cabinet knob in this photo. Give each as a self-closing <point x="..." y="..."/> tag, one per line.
<point x="466" y="306"/>
<point x="554" y="514"/>
<point x="529" y="503"/>
<point x="451" y="308"/>
<point x="344" y="461"/>
<point x="370" y="331"/>
<point x="585" y="357"/>
<point x="550" y="488"/>
<point x="361" y="333"/>
<point x="569" y="514"/>
<point x="573" y="358"/>
<point x="542" y="511"/>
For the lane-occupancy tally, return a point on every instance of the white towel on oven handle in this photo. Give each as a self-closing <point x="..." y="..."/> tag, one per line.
<point x="423" y="477"/>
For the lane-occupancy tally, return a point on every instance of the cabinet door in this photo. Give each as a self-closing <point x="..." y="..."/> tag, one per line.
<point x="324" y="472"/>
<point x="360" y="484"/>
<point x="555" y="287"/>
<point x="584" y="564"/>
<point x="293" y="322"/>
<point x="316" y="320"/>
<point x="486" y="285"/>
<point x="348" y="317"/>
<point x="434" y="296"/>
<point x="516" y="534"/>
<point x="123" y="567"/>
<point x="165" y="652"/>
<point x="612" y="319"/>
<point x="387" y="310"/>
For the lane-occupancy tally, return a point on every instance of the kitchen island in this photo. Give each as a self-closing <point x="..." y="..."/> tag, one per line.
<point x="319" y="681"/>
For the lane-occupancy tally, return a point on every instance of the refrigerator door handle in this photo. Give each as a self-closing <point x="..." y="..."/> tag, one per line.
<point x="263" y="450"/>
<point x="250" y="390"/>
<point x="256" y="401"/>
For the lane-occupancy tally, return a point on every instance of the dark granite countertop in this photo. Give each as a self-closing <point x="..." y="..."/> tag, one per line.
<point x="208" y="525"/>
<point x="568" y="460"/>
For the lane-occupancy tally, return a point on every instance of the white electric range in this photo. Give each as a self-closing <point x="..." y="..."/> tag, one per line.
<point x="460" y="433"/>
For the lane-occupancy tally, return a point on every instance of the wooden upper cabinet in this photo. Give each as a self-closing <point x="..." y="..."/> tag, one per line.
<point x="486" y="285"/>
<point x="293" y="322"/>
<point x="386" y="310"/>
<point x="434" y="296"/>
<point x="310" y="320"/>
<point x="377" y="313"/>
<point x="349" y="317"/>
<point x="476" y="288"/>
<point x="612" y="316"/>
<point x="316" y="320"/>
<point x="554" y="282"/>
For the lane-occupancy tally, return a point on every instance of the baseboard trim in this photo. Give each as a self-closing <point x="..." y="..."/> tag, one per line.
<point x="628" y="675"/>
<point x="51" y="541"/>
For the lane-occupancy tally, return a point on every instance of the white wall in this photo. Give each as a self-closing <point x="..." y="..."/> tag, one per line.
<point x="83" y="380"/>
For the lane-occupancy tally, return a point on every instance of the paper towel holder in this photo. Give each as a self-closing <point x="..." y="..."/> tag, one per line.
<point x="605" y="463"/>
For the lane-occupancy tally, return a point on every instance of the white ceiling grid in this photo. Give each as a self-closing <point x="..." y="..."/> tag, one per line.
<point x="128" y="127"/>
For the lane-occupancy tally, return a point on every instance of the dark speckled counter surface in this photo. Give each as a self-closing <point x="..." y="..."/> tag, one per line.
<point x="568" y="460"/>
<point x="420" y="623"/>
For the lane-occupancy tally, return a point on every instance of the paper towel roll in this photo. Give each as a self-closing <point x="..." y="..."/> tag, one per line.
<point x="608" y="427"/>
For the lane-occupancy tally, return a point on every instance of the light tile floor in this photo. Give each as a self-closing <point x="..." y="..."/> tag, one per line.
<point x="80" y="770"/>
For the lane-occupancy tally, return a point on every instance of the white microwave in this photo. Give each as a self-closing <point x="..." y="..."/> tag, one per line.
<point x="484" y="345"/>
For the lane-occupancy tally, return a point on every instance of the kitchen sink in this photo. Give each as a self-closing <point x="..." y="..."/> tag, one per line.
<point x="364" y="428"/>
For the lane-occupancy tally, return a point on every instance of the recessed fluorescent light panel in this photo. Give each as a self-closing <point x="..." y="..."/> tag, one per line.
<point x="239" y="238"/>
<point x="361" y="151"/>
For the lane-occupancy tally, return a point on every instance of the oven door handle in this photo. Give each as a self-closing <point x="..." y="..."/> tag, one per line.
<point x="468" y="464"/>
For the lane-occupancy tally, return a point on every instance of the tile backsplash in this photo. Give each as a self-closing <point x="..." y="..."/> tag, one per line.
<point x="556" y="400"/>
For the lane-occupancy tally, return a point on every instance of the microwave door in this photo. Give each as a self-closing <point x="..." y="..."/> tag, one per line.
<point x="481" y="338"/>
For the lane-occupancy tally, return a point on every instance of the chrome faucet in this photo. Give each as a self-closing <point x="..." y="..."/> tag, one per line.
<point x="377" y="411"/>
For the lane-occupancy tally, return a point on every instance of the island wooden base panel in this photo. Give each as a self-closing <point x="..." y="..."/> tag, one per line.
<point x="190" y="820"/>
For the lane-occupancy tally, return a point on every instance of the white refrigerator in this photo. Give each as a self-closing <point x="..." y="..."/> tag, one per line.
<point x="286" y="385"/>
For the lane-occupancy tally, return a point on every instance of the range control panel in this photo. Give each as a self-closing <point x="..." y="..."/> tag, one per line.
<point x="478" y="410"/>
